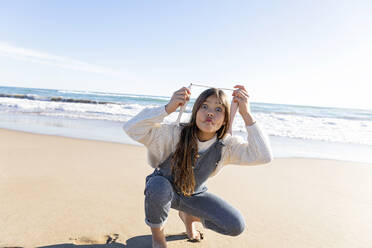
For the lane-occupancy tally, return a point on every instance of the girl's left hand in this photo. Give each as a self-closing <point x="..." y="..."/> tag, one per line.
<point x="242" y="98"/>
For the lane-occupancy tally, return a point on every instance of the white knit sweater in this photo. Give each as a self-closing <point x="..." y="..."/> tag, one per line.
<point x="161" y="140"/>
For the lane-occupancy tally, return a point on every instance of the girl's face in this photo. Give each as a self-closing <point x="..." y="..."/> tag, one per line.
<point x="209" y="118"/>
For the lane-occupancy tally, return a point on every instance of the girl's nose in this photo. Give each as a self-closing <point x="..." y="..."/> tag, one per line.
<point x="210" y="114"/>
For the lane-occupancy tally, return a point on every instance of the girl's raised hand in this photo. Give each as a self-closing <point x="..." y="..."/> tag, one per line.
<point x="179" y="98"/>
<point x="242" y="98"/>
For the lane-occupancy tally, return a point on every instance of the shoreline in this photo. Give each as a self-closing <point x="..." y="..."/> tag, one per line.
<point x="275" y="142"/>
<point x="61" y="191"/>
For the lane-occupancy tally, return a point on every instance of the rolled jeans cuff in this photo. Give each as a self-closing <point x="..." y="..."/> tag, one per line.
<point x="154" y="225"/>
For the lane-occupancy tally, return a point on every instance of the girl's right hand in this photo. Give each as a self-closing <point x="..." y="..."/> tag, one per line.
<point x="179" y="98"/>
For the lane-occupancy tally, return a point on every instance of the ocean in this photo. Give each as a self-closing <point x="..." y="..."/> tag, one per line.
<point x="294" y="131"/>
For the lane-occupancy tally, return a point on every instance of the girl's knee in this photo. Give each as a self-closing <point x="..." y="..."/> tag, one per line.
<point x="231" y="225"/>
<point x="159" y="189"/>
<point x="237" y="228"/>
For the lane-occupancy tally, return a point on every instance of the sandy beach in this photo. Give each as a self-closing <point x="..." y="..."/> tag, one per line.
<point x="64" y="192"/>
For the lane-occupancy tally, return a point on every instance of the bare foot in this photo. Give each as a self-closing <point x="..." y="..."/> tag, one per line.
<point x="158" y="238"/>
<point x="189" y="221"/>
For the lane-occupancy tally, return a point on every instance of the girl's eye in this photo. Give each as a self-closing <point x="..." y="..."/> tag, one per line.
<point x="204" y="106"/>
<point x="218" y="109"/>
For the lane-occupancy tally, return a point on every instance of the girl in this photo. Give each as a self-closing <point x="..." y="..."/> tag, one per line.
<point x="186" y="155"/>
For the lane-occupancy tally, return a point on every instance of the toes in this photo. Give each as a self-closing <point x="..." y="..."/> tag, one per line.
<point x="199" y="237"/>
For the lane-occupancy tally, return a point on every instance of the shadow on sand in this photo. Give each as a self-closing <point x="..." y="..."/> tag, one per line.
<point x="143" y="241"/>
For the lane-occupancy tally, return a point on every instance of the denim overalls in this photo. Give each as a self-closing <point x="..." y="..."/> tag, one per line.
<point x="215" y="213"/>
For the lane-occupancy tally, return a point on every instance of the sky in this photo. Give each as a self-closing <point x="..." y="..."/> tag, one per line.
<point x="316" y="53"/>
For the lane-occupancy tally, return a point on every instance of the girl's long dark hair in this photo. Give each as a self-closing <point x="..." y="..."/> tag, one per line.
<point x="184" y="157"/>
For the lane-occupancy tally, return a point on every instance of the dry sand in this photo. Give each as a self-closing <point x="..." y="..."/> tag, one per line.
<point x="62" y="192"/>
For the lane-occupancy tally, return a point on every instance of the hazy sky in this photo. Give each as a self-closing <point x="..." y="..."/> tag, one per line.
<point x="295" y="52"/>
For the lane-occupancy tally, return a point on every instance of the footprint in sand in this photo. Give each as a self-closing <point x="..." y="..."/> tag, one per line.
<point x="105" y="239"/>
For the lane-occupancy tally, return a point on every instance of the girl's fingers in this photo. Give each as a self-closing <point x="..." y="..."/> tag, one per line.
<point x="183" y="97"/>
<point x="180" y="100"/>
<point x="237" y="99"/>
<point x="184" y="89"/>
<point x="241" y="93"/>
<point x="240" y="87"/>
<point x="183" y="92"/>
<point x="187" y="89"/>
<point x="245" y="93"/>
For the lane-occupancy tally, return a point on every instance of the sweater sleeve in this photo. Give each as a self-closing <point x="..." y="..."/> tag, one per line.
<point x="256" y="150"/>
<point x="159" y="138"/>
